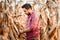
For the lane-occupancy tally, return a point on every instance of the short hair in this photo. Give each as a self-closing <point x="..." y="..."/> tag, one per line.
<point x="27" y="6"/>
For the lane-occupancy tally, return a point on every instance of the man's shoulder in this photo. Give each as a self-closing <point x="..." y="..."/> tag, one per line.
<point x="34" y="15"/>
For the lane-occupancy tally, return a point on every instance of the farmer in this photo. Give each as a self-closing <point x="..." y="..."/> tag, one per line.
<point x="32" y="30"/>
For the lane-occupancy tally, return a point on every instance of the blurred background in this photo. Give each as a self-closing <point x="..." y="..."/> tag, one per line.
<point x="13" y="19"/>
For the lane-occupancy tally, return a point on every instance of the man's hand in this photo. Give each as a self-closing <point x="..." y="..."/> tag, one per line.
<point x="25" y="30"/>
<point x="21" y="31"/>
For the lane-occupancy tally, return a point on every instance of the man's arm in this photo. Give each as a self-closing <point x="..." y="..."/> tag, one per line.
<point x="25" y="30"/>
<point x="33" y="24"/>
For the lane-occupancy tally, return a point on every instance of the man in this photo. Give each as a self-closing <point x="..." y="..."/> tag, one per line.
<point x="32" y="30"/>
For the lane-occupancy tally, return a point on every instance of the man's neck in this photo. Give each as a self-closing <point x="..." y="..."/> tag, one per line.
<point x="28" y="14"/>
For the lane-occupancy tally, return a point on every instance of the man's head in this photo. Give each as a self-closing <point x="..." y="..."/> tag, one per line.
<point x="27" y="8"/>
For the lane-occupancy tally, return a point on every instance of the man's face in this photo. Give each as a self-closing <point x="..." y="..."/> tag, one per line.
<point x="26" y="11"/>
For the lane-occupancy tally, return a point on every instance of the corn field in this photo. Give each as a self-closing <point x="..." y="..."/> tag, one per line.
<point x="13" y="19"/>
